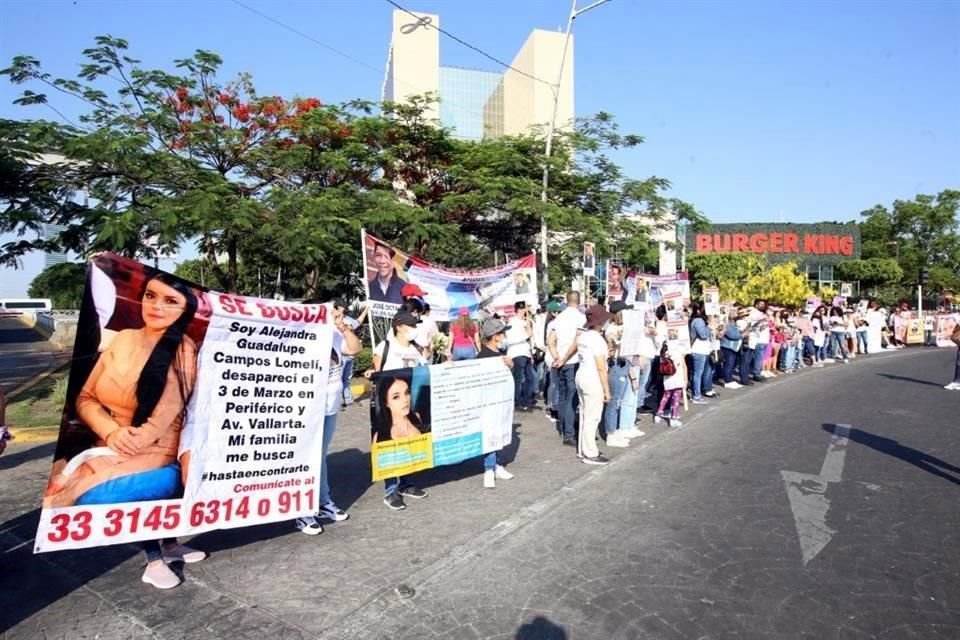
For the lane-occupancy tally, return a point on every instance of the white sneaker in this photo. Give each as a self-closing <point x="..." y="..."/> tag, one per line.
<point x="182" y="553"/>
<point x="953" y="386"/>
<point x="631" y="433"/>
<point x="657" y="419"/>
<point x="160" y="576"/>
<point x="309" y="526"/>
<point x="617" y="441"/>
<point x="501" y="473"/>
<point x="732" y="385"/>
<point x="330" y="511"/>
<point x="489" y="479"/>
<point x="675" y="423"/>
<point x="766" y="374"/>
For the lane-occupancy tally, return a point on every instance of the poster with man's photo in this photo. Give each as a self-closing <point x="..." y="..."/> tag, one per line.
<point x="187" y="410"/>
<point x="425" y="417"/>
<point x="945" y="325"/>
<point x="589" y="260"/>
<point x="495" y="290"/>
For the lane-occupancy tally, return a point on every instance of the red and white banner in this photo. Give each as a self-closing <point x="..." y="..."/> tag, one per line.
<point x="387" y="270"/>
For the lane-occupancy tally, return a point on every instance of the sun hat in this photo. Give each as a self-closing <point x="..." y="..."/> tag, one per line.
<point x="492" y="327"/>
<point x="597" y="316"/>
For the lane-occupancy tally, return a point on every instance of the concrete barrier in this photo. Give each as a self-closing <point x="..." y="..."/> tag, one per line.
<point x="59" y="327"/>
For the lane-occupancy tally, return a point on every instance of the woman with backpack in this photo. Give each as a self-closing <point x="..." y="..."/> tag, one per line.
<point x="673" y="384"/>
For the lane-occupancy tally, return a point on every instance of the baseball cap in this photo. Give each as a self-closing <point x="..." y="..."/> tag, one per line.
<point x="338" y="303"/>
<point x="412" y="291"/>
<point x="405" y="318"/>
<point x="619" y="305"/>
<point x="554" y="306"/>
<point x="492" y="327"/>
<point x="463" y="311"/>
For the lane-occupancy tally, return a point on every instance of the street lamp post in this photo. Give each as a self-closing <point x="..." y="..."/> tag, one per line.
<point x="574" y="12"/>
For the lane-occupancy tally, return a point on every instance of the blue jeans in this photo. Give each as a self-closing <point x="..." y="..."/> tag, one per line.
<point x="329" y="426"/>
<point x="152" y="548"/>
<point x="956" y="371"/>
<point x="729" y="362"/>
<point x="643" y="381"/>
<point x="390" y="485"/>
<point x="861" y="341"/>
<point x="524" y="381"/>
<point x="701" y="380"/>
<point x="463" y="353"/>
<point x="628" y="403"/>
<point x="490" y="461"/>
<point x="553" y="389"/>
<point x="619" y="383"/>
<point x="759" y="354"/>
<point x="789" y="357"/>
<point x="347" y="377"/>
<point x="808" y="349"/>
<point x="567" y="403"/>
<point x="746" y="361"/>
<point x="839" y="341"/>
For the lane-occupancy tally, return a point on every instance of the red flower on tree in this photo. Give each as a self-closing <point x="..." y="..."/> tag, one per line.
<point x="182" y="93"/>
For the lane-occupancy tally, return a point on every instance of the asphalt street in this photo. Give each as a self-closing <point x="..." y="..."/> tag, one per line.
<point x="818" y="505"/>
<point x="23" y="354"/>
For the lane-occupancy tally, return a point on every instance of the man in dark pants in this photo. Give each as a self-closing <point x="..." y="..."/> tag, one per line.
<point x="561" y="341"/>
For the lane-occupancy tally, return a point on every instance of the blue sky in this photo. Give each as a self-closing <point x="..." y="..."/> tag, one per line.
<point x="753" y="109"/>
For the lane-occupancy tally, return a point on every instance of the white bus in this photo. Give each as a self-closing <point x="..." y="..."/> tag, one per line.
<point x="17" y="306"/>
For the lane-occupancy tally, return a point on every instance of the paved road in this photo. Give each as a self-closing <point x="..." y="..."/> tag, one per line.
<point x="23" y="354"/>
<point x="822" y="505"/>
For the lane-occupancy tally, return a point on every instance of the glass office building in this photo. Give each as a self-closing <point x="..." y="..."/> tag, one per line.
<point x="470" y="102"/>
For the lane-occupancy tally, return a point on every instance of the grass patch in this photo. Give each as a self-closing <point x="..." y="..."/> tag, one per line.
<point x="42" y="404"/>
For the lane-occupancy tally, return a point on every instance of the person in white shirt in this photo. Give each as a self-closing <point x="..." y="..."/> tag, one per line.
<point x="620" y="414"/>
<point x="426" y="332"/>
<point x="561" y="338"/>
<point x="593" y="387"/>
<point x="519" y="350"/>
<point x="345" y="344"/>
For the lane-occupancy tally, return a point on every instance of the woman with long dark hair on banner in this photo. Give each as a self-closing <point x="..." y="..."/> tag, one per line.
<point x="395" y="418"/>
<point x="134" y="400"/>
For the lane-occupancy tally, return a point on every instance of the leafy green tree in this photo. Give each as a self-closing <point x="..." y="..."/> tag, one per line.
<point x="871" y="271"/>
<point x="729" y="271"/>
<point x="62" y="283"/>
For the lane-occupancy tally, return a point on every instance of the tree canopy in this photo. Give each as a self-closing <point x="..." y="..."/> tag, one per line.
<point x="263" y="184"/>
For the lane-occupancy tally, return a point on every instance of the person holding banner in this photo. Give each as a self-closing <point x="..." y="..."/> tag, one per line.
<point x="494" y="333"/>
<point x="345" y="345"/>
<point x="398" y="351"/>
<point x="620" y="413"/>
<point x="701" y="382"/>
<point x="520" y="352"/>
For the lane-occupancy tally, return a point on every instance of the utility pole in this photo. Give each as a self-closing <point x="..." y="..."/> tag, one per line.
<point x="574" y="12"/>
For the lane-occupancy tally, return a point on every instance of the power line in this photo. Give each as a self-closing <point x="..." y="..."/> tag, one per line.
<point x="308" y="37"/>
<point x="379" y="72"/>
<point x="428" y="23"/>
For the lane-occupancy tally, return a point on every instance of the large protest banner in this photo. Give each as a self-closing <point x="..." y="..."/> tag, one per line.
<point x="387" y="270"/>
<point x="425" y="417"/>
<point x="187" y="410"/>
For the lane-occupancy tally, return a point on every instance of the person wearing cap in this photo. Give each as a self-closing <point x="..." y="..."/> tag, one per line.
<point x="386" y="285"/>
<point x="464" y="337"/>
<point x="593" y="386"/>
<point x="561" y="341"/>
<point x="493" y="334"/>
<point x="521" y="353"/>
<point x="399" y="351"/>
<point x="345" y="344"/>
<point x="621" y="412"/>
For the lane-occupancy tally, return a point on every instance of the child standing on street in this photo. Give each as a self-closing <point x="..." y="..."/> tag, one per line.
<point x="673" y="384"/>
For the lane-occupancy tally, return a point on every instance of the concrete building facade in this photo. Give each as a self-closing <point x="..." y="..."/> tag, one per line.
<point x="479" y="104"/>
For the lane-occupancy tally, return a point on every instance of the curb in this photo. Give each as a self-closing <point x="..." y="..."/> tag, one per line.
<point x="55" y="366"/>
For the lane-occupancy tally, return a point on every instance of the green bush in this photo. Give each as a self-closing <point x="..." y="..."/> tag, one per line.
<point x="362" y="361"/>
<point x="59" y="394"/>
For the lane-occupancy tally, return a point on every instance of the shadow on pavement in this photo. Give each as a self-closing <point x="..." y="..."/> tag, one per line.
<point x="33" y="582"/>
<point x="11" y="460"/>
<point x="919" y="459"/>
<point x="540" y="629"/>
<point x="891" y="376"/>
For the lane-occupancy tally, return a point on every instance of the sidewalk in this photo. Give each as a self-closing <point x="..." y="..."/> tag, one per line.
<point x="272" y="581"/>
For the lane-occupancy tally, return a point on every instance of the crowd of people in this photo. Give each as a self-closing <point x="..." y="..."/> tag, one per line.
<point x="595" y="385"/>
